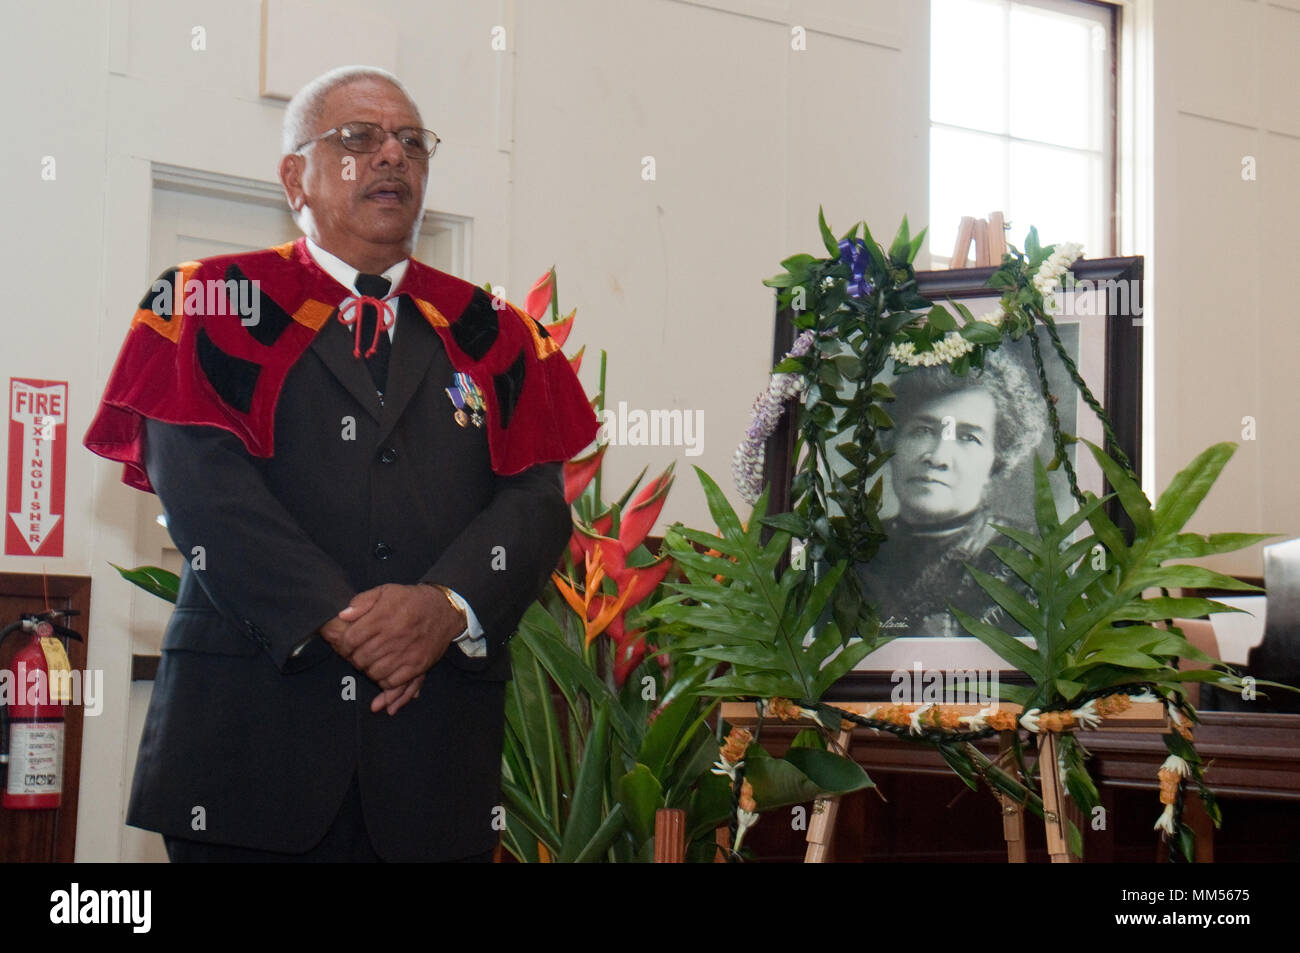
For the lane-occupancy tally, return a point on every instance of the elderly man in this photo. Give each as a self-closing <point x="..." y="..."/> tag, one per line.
<point x="362" y="474"/>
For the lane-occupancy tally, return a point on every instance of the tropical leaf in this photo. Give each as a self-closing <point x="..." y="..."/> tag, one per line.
<point x="1188" y="488"/>
<point x="603" y="837"/>
<point x="781" y="782"/>
<point x="588" y="791"/>
<point x="530" y="714"/>
<point x="639" y="793"/>
<point x="155" y="581"/>
<point x="540" y="634"/>
<point x="1008" y="648"/>
<point x="1131" y="497"/>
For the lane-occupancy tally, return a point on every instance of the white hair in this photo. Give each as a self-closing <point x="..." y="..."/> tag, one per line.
<point x="304" y="111"/>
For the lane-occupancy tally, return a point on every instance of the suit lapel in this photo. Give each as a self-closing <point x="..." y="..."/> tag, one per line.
<point x="333" y="344"/>
<point x="414" y="347"/>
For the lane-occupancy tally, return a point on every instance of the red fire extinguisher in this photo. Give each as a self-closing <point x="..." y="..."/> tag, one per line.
<point x="31" y="728"/>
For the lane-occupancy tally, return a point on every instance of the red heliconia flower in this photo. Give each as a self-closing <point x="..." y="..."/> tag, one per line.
<point x="628" y="655"/>
<point x="559" y="331"/>
<point x="637" y="520"/>
<point x="639" y="581"/>
<point x="608" y="552"/>
<point x="629" y="650"/>
<point x="540" y="295"/>
<point x="539" y="299"/>
<point x="578" y="473"/>
<point x="634" y="584"/>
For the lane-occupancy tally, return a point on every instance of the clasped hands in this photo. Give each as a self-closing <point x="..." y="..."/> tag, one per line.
<point x="394" y="634"/>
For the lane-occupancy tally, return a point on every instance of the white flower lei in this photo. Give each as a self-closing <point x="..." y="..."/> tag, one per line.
<point x="1050" y="271"/>
<point x="953" y="346"/>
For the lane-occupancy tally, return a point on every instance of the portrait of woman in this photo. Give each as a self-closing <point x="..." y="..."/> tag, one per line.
<point x="961" y="450"/>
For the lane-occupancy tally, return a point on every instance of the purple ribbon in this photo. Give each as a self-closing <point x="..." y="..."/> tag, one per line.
<point x="854" y="254"/>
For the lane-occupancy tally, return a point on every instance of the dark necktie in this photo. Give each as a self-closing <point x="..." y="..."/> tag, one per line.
<point x="375" y="286"/>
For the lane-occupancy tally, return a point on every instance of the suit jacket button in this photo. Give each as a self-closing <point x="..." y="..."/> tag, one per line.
<point x="383" y="550"/>
<point x="388" y="455"/>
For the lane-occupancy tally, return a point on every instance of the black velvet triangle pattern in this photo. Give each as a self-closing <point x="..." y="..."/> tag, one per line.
<point x="477" y="327"/>
<point x="509" y="385"/>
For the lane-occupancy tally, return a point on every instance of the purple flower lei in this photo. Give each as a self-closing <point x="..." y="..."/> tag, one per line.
<point x="747" y="465"/>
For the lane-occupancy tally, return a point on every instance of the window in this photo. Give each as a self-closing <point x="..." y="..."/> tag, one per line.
<point x="1022" y="120"/>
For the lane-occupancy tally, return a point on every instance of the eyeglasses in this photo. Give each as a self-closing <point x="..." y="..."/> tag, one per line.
<point x="370" y="137"/>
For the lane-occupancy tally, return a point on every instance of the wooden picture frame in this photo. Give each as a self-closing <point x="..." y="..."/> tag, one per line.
<point x="1101" y="312"/>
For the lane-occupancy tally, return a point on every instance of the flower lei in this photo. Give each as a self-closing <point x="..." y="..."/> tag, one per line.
<point x="747" y="464"/>
<point x="945" y="726"/>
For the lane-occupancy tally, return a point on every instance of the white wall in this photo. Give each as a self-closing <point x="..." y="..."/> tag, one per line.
<point x="1225" y="250"/>
<point x="53" y="251"/>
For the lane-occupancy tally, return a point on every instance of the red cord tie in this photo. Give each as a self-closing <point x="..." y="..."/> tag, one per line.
<point x="351" y="310"/>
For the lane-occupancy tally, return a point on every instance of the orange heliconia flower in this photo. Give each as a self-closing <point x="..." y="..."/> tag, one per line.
<point x="597" y="610"/>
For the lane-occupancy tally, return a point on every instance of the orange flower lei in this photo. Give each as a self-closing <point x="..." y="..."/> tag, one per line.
<point x="1002" y="720"/>
<point x="895" y="714"/>
<point x="747" y="802"/>
<point x="948" y="718"/>
<point x="1168" y="785"/>
<point x="1113" y="704"/>
<point x="1056" y="721"/>
<point x="733" y="750"/>
<point x="784" y="709"/>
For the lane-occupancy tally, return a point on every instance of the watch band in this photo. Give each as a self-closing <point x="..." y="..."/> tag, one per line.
<point x="459" y="605"/>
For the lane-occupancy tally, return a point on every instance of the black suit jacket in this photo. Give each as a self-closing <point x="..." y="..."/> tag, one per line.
<point x="246" y="743"/>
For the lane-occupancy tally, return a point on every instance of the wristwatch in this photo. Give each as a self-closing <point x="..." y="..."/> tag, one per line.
<point x="457" y="603"/>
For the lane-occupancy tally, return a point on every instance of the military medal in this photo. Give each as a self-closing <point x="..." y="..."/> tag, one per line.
<point x="467" y="399"/>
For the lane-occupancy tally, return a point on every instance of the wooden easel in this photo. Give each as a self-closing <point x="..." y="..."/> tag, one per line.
<point x="990" y="237"/>
<point x="1013" y="815"/>
<point x="821" y="826"/>
<point x="1142" y="718"/>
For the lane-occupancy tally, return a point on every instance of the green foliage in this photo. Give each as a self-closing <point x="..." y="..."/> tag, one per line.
<point x="586" y="767"/>
<point x="155" y="581"/>
<point x="801" y="776"/>
<point x="838" y="514"/>
<point x="581" y="774"/>
<point x="1087" y="609"/>
<point x="751" y="620"/>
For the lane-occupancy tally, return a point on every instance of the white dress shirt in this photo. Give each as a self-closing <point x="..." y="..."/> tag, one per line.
<point x="471" y="641"/>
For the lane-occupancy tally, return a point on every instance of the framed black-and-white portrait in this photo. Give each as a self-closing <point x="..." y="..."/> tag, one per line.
<point x="963" y="450"/>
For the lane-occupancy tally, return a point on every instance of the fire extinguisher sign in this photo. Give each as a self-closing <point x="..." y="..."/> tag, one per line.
<point x="38" y="459"/>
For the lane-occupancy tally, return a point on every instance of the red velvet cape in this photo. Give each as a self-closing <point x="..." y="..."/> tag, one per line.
<point x="182" y="367"/>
